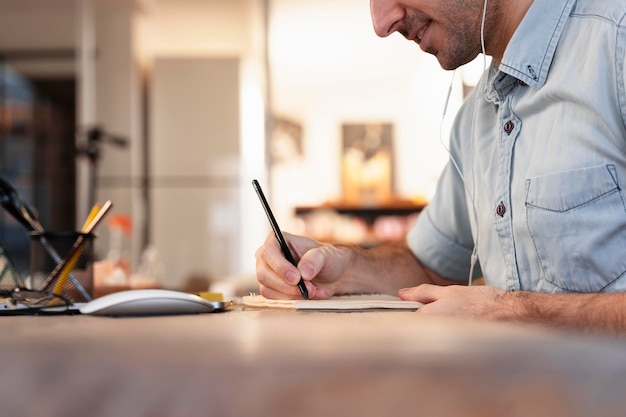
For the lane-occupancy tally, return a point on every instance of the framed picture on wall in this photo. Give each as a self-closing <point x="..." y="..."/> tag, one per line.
<point x="367" y="163"/>
<point x="286" y="140"/>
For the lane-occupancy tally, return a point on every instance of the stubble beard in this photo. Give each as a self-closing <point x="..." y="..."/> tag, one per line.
<point x="462" y="33"/>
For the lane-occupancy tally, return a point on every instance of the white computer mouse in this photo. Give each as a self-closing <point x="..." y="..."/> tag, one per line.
<point x="147" y="302"/>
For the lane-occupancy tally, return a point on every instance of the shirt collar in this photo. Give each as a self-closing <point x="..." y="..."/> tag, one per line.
<point x="529" y="54"/>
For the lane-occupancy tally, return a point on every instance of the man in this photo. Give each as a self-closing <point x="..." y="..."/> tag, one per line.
<point x="532" y="197"/>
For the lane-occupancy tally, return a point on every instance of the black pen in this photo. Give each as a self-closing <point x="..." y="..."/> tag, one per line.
<point x="279" y="235"/>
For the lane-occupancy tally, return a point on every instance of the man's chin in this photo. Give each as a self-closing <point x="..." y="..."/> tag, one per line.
<point x="448" y="65"/>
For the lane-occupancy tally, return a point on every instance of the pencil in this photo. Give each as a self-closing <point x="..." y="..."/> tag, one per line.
<point x="279" y="235"/>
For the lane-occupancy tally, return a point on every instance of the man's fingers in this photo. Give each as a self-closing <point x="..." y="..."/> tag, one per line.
<point x="425" y="293"/>
<point x="289" y="293"/>
<point x="272" y="282"/>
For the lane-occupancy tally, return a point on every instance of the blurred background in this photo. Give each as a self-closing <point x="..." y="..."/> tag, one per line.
<point x="170" y="108"/>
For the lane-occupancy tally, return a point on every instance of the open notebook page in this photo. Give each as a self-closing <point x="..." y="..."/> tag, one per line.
<point x="340" y="302"/>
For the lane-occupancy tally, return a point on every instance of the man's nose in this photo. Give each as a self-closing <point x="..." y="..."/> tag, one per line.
<point x="385" y="13"/>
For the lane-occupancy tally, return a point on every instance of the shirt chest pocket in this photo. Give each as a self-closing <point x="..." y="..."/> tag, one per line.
<point x="577" y="221"/>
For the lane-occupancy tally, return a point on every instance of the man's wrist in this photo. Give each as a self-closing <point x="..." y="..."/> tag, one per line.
<point x="350" y="281"/>
<point x="524" y="306"/>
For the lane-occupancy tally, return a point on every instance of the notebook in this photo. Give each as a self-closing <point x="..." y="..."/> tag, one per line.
<point x="339" y="302"/>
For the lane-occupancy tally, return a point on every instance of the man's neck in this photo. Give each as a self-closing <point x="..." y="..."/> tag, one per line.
<point x="509" y="15"/>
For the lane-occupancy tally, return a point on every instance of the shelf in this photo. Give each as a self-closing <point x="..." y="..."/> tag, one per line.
<point x="359" y="224"/>
<point x="367" y="213"/>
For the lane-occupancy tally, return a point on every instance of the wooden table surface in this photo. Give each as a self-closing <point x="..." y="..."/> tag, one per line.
<point x="283" y="363"/>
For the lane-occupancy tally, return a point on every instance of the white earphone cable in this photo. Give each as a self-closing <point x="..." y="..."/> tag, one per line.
<point x="471" y="194"/>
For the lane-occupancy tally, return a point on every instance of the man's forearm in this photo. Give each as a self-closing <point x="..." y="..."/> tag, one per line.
<point x="386" y="269"/>
<point x="584" y="311"/>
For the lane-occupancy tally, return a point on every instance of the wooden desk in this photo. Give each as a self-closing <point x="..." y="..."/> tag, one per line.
<point x="279" y="363"/>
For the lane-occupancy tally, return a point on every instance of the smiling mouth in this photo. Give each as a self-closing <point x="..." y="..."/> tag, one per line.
<point x="420" y="33"/>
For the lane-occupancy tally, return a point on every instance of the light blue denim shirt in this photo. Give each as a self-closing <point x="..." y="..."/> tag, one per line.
<point x="543" y="159"/>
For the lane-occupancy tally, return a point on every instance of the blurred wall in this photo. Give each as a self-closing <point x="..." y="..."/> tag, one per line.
<point x="326" y="67"/>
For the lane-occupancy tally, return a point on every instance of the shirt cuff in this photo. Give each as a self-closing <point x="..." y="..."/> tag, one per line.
<point x="438" y="252"/>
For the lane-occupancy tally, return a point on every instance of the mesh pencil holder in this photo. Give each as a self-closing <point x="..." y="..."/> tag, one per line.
<point x="62" y="262"/>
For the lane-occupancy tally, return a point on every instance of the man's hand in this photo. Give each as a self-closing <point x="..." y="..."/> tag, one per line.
<point x="320" y="265"/>
<point x="454" y="300"/>
<point x="598" y="312"/>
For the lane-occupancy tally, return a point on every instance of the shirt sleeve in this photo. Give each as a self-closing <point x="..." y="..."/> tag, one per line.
<point x="621" y="67"/>
<point x="441" y="238"/>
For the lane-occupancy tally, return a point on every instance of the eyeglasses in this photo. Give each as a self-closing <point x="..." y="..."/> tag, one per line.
<point x="33" y="300"/>
<point x="7" y="269"/>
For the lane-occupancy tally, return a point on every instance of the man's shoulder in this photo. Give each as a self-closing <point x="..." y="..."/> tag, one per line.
<point x="611" y="10"/>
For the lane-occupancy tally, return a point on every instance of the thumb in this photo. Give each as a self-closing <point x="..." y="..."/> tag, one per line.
<point x="311" y="263"/>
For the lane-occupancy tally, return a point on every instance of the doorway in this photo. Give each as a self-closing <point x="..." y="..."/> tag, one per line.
<point x="37" y="155"/>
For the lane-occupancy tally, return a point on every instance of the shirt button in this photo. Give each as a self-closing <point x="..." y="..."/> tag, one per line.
<point x="522" y="83"/>
<point x="508" y="127"/>
<point x="501" y="209"/>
